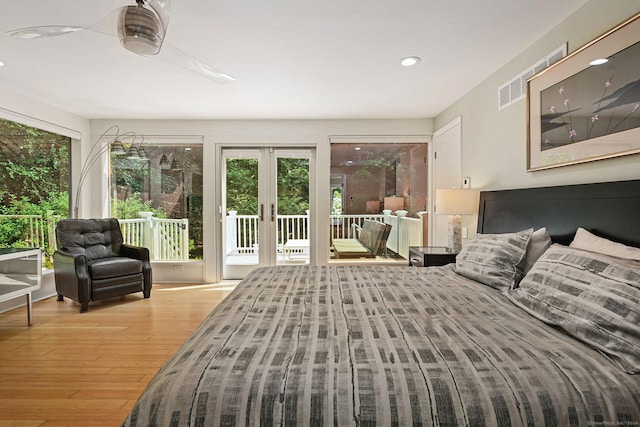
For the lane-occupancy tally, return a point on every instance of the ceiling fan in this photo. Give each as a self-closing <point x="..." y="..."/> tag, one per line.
<point x="141" y="29"/>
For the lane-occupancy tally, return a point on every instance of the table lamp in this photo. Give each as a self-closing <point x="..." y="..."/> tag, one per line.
<point x="455" y="202"/>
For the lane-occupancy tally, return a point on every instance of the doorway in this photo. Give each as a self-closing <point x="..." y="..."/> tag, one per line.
<point x="447" y="172"/>
<point x="266" y="208"/>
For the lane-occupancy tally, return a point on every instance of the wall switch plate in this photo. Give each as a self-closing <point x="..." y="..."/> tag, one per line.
<point x="466" y="182"/>
<point x="465" y="232"/>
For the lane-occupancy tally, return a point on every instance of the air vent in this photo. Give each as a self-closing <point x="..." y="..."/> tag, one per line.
<point x="516" y="89"/>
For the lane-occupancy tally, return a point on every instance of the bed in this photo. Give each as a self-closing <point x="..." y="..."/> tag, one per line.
<point x="521" y="330"/>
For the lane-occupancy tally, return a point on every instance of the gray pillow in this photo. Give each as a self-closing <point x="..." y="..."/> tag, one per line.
<point x="593" y="297"/>
<point x="494" y="259"/>
<point x="539" y="242"/>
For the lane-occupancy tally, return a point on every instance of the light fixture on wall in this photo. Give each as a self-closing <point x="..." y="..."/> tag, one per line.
<point x="455" y="202"/>
<point x="112" y="144"/>
<point x="394" y="203"/>
<point x="164" y="162"/>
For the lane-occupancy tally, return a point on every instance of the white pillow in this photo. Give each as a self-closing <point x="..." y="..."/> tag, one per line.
<point x="539" y="242"/>
<point x="589" y="242"/>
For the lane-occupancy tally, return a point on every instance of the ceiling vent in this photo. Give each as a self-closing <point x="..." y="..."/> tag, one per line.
<point x="516" y="88"/>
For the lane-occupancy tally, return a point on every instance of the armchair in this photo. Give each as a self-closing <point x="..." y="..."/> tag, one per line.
<point x="92" y="262"/>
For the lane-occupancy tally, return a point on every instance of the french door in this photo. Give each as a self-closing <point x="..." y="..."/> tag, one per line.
<point x="266" y="208"/>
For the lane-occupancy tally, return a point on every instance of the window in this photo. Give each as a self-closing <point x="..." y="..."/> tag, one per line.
<point x="34" y="185"/>
<point x="385" y="182"/>
<point x="156" y="193"/>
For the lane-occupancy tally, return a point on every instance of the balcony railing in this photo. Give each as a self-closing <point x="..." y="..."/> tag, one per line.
<point x="242" y="230"/>
<point x="30" y="231"/>
<point x="168" y="239"/>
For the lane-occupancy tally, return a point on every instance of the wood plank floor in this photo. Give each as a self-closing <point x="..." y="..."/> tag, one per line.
<point x="73" y="369"/>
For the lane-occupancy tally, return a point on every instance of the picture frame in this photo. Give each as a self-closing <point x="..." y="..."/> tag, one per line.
<point x="578" y="111"/>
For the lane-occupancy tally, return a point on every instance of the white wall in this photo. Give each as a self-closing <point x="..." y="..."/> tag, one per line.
<point x="314" y="133"/>
<point x="494" y="142"/>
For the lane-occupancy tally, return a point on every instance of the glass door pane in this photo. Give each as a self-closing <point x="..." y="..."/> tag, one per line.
<point x="266" y="204"/>
<point x="242" y="212"/>
<point x="292" y="206"/>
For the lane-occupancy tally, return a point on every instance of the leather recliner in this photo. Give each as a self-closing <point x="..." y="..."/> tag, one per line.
<point x="92" y="262"/>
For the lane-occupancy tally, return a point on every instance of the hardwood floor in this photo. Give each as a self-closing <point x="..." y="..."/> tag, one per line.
<point x="73" y="369"/>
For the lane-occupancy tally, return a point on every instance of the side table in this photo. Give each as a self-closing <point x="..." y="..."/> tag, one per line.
<point x="430" y="256"/>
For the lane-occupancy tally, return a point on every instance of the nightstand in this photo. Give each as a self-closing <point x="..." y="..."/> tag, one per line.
<point x="430" y="256"/>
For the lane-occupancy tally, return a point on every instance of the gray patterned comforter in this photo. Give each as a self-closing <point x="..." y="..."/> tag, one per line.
<point x="303" y="345"/>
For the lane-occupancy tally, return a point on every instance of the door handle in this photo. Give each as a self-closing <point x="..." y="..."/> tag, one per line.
<point x="273" y="212"/>
<point x="261" y="213"/>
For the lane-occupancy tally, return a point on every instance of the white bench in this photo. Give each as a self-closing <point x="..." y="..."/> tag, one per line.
<point x="370" y="242"/>
<point x="296" y="249"/>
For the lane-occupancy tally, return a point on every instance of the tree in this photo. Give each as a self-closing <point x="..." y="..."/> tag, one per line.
<point x="34" y="165"/>
<point x="292" y="184"/>
<point x="242" y="186"/>
<point x="34" y="180"/>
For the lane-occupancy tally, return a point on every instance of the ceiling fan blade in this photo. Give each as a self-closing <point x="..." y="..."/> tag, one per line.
<point x="179" y="58"/>
<point x="44" y="31"/>
<point x="104" y="25"/>
<point x="163" y="9"/>
<point x="139" y="32"/>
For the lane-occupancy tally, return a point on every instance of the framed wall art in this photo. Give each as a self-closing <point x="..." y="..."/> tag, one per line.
<point x="587" y="106"/>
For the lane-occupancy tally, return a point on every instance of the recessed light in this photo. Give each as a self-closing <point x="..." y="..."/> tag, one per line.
<point x="599" y="61"/>
<point x="410" y="61"/>
<point x="357" y="148"/>
<point x="1" y="64"/>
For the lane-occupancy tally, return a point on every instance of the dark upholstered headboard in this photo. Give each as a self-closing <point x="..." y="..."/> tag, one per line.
<point x="609" y="209"/>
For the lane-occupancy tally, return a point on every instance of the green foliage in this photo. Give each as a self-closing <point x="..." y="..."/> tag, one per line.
<point x="33" y="163"/>
<point x="18" y="232"/>
<point x="336" y="201"/>
<point x="242" y="186"/>
<point x="34" y="180"/>
<point x="293" y="186"/>
<point x="132" y="206"/>
<point x="130" y="175"/>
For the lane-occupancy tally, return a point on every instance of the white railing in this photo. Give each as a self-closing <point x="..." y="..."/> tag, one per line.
<point x="241" y="233"/>
<point x="343" y="226"/>
<point x="34" y="230"/>
<point x="292" y="227"/>
<point x="242" y="230"/>
<point x="404" y="232"/>
<point x="167" y="239"/>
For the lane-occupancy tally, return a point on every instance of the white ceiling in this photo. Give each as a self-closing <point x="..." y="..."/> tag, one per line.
<point x="310" y="59"/>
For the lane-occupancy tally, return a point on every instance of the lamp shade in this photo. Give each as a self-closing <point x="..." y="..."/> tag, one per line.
<point x="456" y="201"/>
<point x="133" y="153"/>
<point x="117" y="149"/>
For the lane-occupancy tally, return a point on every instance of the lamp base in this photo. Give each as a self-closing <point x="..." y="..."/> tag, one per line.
<point x="455" y="233"/>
